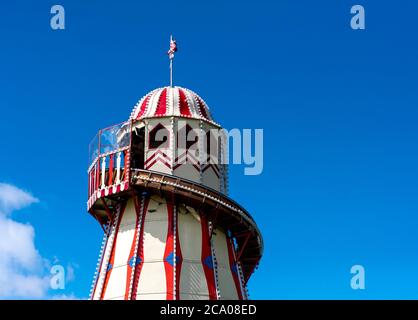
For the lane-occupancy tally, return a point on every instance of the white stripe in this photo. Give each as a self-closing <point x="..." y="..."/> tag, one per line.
<point x="153" y="103"/>
<point x="103" y="271"/>
<point x="192" y="104"/>
<point x="116" y="285"/>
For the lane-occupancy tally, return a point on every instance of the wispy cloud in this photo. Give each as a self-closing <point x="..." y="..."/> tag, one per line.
<point x="22" y="274"/>
<point x="13" y="198"/>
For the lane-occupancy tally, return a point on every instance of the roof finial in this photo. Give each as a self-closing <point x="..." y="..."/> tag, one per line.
<point x="173" y="48"/>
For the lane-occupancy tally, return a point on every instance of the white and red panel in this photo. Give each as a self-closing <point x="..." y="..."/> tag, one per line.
<point x="105" y="260"/>
<point x="227" y="282"/>
<point x="172" y="255"/>
<point x="208" y="259"/>
<point x="197" y="278"/>
<point x="186" y="154"/>
<point x="118" y="268"/>
<point x="210" y="157"/>
<point x="158" y="144"/>
<point x="151" y="282"/>
<point x="163" y="251"/>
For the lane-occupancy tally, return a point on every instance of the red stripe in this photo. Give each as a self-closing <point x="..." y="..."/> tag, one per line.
<point x="158" y="159"/>
<point x="143" y="106"/>
<point x="180" y="256"/>
<point x="184" y="105"/>
<point x="202" y="108"/>
<point x="156" y="153"/>
<point x="162" y="104"/>
<point x="207" y="252"/>
<point x="169" y="249"/>
<point x="112" y="256"/>
<point x="132" y="252"/>
<point x="110" y="180"/>
<point x="140" y="252"/>
<point x="232" y="263"/>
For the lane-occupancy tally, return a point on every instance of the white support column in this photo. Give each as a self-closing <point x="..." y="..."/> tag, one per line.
<point x="118" y="163"/>
<point x="103" y="175"/>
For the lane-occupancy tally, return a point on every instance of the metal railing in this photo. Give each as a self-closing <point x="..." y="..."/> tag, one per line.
<point x="109" y="156"/>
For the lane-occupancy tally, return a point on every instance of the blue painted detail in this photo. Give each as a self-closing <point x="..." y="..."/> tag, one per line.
<point x="170" y="259"/>
<point x="234" y="268"/>
<point x="208" y="262"/>
<point x="109" y="266"/>
<point x="134" y="262"/>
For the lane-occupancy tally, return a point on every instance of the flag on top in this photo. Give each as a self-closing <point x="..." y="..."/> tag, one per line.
<point x="173" y="48"/>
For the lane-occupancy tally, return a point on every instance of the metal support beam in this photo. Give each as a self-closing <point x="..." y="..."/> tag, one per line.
<point x="243" y="246"/>
<point x="109" y="213"/>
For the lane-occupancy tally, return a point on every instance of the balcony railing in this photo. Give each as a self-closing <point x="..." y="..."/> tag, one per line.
<point x="109" y="156"/>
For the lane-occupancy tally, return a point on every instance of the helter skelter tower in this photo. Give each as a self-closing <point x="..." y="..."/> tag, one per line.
<point x="170" y="230"/>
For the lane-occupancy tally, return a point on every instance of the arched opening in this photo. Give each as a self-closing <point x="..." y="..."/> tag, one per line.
<point x="137" y="148"/>
<point x="158" y="137"/>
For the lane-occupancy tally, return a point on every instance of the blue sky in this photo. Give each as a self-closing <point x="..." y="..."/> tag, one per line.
<point x="338" y="108"/>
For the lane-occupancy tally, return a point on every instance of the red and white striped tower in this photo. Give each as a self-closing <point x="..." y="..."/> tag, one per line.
<point x="170" y="230"/>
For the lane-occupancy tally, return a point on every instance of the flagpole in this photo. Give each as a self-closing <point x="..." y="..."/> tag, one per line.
<point x="171" y="63"/>
<point x="173" y="48"/>
<point x="171" y="72"/>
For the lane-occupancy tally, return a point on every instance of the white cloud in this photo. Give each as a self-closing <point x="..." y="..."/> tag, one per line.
<point x="22" y="273"/>
<point x="12" y="198"/>
<point x="17" y="245"/>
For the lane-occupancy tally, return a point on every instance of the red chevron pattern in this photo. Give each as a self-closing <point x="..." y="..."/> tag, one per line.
<point x="186" y="157"/>
<point x="158" y="157"/>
